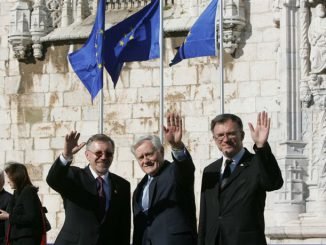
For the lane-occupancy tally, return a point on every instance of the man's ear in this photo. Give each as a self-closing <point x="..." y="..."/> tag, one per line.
<point x="86" y="155"/>
<point x="242" y="135"/>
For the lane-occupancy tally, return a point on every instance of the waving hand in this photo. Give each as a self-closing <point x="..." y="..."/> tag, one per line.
<point x="173" y="130"/>
<point x="261" y="132"/>
<point x="71" y="145"/>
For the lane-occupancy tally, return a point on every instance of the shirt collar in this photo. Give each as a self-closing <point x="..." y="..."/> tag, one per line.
<point x="105" y="177"/>
<point x="237" y="157"/>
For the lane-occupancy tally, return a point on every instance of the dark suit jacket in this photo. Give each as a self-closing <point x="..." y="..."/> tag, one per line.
<point x="81" y="227"/>
<point x="171" y="217"/>
<point x="25" y="218"/>
<point x="235" y="214"/>
<point x="5" y="198"/>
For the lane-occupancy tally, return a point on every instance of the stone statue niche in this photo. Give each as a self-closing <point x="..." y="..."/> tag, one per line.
<point x="313" y="87"/>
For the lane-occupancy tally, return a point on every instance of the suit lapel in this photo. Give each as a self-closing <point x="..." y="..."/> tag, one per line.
<point x="216" y="188"/>
<point x="92" y="181"/>
<point x="243" y="164"/>
<point x="113" y="196"/>
<point x="136" y="196"/>
<point x="152" y="189"/>
<point x="153" y="184"/>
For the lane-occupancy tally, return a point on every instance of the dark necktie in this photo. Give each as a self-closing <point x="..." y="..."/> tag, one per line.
<point x="226" y="173"/>
<point x="101" y="198"/>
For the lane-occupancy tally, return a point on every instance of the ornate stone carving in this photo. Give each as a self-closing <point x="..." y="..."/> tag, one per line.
<point x="19" y="35"/>
<point x="233" y="24"/>
<point x="49" y="14"/>
<point x="313" y="91"/>
<point x="317" y="39"/>
<point x="312" y="84"/>
<point x="66" y="17"/>
<point x="40" y="26"/>
<point x="27" y="26"/>
<point x="320" y="148"/>
<point x="55" y="7"/>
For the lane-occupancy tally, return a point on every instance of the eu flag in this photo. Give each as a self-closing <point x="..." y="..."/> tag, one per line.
<point x="133" y="39"/>
<point x="87" y="62"/>
<point x="201" y="39"/>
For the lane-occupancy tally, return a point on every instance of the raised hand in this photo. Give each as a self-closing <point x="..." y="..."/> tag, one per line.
<point x="173" y="130"/>
<point x="261" y="132"/>
<point x="71" y="145"/>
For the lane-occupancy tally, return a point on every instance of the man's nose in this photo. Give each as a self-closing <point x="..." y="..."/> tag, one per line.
<point x="146" y="159"/>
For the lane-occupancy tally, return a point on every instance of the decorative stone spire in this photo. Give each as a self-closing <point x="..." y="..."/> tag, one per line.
<point x="19" y="36"/>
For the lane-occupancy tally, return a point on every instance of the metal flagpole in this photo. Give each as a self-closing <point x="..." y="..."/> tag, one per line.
<point x="221" y="57"/>
<point x="101" y="112"/>
<point x="161" y="72"/>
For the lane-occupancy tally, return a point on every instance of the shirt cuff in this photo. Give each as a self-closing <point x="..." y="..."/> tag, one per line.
<point x="64" y="161"/>
<point x="179" y="154"/>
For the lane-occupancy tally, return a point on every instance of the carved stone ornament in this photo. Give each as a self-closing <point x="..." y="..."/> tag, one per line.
<point x="19" y="35"/>
<point x="313" y="84"/>
<point x="233" y="24"/>
<point x="32" y="25"/>
<point x="27" y="26"/>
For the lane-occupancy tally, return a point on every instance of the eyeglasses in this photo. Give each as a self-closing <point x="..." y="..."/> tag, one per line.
<point x="229" y="135"/>
<point x="99" y="154"/>
<point x="147" y="155"/>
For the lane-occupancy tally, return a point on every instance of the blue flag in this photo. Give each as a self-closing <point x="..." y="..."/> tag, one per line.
<point x="201" y="39"/>
<point x="87" y="62"/>
<point x="133" y="39"/>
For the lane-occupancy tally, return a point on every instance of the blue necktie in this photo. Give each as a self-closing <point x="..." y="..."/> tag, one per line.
<point x="145" y="197"/>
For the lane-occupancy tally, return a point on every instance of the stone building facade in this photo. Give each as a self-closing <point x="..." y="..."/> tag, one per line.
<point x="274" y="60"/>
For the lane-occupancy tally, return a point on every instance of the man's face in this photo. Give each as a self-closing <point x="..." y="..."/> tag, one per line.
<point x="228" y="138"/>
<point x="100" y="156"/>
<point x="150" y="159"/>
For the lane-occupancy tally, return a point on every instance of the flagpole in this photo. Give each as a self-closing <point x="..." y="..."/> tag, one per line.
<point x="101" y="112"/>
<point x="161" y="72"/>
<point x="221" y="57"/>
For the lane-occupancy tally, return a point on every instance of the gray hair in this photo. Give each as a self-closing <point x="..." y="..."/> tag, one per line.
<point x="101" y="138"/>
<point x="155" y="140"/>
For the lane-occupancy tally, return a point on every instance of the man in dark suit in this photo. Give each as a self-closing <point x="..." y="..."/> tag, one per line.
<point x="96" y="202"/>
<point x="163" y="202"/>
<point x="5" y="198"/>
<point x="234" y="187"/>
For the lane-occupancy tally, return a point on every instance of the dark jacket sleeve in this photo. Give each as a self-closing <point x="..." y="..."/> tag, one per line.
<point x="185" y="170"/>
<point x="270" y="173"/>
<point x="202" y="216"/>
<point x="61" y="178"/>
<point x="126" y="217"/>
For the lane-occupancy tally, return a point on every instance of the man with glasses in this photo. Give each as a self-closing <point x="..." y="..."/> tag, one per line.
<point x="96" y="201"/>
<point x="163" y="202"/>
<point x="234" y="187"/>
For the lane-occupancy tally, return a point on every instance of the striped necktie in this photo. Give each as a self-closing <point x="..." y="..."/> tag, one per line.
<point x="101" y="197"/>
